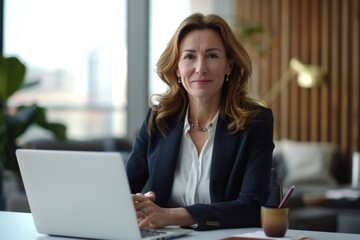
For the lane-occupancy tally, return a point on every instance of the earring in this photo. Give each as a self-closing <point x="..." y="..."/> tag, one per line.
<point x="227" y="78"/>
<point x="179" y="79"/>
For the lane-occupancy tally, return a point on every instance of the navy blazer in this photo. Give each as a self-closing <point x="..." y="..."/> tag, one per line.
<point x="239" y="175"/>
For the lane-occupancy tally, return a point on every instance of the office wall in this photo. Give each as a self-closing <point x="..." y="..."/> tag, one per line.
<point x="320" y="32"/>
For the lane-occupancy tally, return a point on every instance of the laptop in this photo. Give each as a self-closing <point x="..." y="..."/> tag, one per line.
<point x="82" y="194"/>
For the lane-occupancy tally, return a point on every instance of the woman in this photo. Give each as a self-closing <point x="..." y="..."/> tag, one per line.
<point x="203" y="155"/>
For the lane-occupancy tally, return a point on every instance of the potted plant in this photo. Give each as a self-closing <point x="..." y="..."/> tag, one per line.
<point x="14" y="123"/>
<point x="250" y="32"/>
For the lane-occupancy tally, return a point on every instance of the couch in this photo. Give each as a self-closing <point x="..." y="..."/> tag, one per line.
<point x="313" y="167"/>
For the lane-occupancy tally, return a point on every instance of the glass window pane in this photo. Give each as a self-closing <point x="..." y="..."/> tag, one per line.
<point x="162" y="27"/>
<point x="77" y="51"/>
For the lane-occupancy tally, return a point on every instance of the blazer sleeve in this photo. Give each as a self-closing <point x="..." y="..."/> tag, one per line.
<point x="137" y="166"/>
<point x="152" y="163"/>
<point x="240" y="191"/>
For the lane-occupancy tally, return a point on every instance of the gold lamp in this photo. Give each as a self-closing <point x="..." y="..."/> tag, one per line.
<point x="308" y="76"/>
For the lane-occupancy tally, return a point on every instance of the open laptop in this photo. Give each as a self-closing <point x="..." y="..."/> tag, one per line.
<point x="82" y="194"/>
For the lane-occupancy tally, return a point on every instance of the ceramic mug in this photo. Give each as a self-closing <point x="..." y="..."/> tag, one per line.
<point x="274" y="221"/>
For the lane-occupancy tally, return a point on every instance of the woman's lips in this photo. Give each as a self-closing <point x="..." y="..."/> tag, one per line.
<point x="201" y="81"/>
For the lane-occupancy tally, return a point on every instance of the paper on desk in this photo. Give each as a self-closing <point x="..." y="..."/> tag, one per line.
<point x="261" y="235"/>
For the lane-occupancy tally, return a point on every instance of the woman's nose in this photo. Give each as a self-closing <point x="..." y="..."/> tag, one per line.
<point x="201" y="66"/>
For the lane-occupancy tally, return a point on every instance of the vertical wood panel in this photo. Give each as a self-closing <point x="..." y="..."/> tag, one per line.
<point x="265" y="18"/>
<point x="274" y="19"/>
<point x="355" y="76"/>
<point x="315" y="16"/>
<point x="334" y="72"/>
<point x="284" y="43"/>
<point x="304" y="25"/>
<point x="325" y="55"/>
<point x="319" y="32"/>
<point x="294" y="51"/>
<point x="345" y="90"/>
<point x="255" y="14"/>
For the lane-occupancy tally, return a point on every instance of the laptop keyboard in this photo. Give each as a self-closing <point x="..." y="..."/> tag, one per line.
<point x="151" y="233"/>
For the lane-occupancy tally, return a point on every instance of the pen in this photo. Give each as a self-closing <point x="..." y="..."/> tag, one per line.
<point x="288" y="194"/>
<point x="280" y="191"/>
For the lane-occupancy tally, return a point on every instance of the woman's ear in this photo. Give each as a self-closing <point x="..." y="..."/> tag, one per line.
<point x="229" y="68"/>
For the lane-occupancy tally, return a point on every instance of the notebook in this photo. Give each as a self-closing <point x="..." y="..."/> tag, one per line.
<point x="82" y="194"/>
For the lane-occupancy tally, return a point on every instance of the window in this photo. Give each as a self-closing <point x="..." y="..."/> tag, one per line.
<point x="162" y="27"/>
<point x="77" y="51"/>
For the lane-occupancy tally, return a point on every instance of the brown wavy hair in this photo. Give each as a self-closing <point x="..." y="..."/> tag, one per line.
<point x="236" y="107"/>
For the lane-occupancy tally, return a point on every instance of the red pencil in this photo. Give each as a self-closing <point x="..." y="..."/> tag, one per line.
<point x="283" y="202"/>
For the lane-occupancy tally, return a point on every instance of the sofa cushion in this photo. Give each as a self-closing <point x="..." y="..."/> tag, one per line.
<point x="307" y="162"/>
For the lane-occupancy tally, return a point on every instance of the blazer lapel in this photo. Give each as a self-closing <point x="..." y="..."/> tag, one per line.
<point x="167" y="158"/>
<point x="222" y="160"/>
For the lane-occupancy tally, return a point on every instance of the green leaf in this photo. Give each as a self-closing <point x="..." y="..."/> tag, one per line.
<point x="12" y="73"/>
<point x="22" y="119"/>
<point x="2" y="135"/>
<point x="58" y="129"/>
<point x="33" y="114"/>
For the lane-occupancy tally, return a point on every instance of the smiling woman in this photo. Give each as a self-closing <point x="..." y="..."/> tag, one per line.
<point x="178" y="157"/>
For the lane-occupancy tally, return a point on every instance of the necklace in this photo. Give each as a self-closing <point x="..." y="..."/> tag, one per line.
<point x="198" y="129"/>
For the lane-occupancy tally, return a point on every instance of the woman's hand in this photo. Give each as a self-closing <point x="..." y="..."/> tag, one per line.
<point x="148" y="213"/>
<point x="153" y="216"/>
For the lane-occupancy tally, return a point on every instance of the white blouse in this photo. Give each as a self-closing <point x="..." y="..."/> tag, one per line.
<point x="192" y="174"/>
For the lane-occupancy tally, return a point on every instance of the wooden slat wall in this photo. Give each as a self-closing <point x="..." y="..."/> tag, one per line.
<point x="319" y="32"/>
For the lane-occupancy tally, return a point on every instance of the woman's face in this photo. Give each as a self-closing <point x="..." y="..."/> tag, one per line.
<point x="203" y="63"/>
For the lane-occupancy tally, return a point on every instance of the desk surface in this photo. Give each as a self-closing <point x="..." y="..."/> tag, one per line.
<point x="15" y="226"/>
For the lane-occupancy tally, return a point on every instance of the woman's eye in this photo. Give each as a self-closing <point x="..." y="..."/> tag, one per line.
<point x="212" y="55"/>
<point x="189" y="56"/>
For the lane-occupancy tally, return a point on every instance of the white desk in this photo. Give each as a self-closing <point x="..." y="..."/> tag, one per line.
<point x="18" y="226"/>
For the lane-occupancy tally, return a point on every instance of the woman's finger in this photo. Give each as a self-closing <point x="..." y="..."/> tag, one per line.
<point x="139" y="197"/>
<point x="150" y="195"/>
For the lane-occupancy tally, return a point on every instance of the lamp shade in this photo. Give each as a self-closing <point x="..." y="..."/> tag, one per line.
<point x="308" y="76"/>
